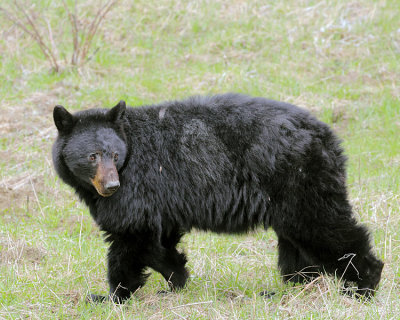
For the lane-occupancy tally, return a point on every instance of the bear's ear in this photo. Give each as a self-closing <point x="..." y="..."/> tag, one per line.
<point x="118" y="112"/>
<point x="63" y="119"/>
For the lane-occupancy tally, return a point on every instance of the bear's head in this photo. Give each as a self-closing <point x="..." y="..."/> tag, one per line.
<point x="92" y="145"/>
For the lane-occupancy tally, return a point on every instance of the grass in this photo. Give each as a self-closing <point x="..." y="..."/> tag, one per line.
<point x="339" y="59"/>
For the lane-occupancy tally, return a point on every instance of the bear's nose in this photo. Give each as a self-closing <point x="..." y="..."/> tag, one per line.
<point x="112" y="186"/>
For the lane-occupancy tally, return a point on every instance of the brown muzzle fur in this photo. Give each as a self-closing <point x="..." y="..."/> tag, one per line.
<point x="106" y="180"/>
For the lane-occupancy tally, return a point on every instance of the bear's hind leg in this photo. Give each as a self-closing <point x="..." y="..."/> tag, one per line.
<point x="368" y="284"/>
<point x="350" y="257"/>
<point x="170" y="262"/>
<point x="359" y="264"/>
<point x="342" y="249"/>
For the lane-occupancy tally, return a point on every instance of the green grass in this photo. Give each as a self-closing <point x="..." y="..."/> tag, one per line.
<point x="339" y="59"/>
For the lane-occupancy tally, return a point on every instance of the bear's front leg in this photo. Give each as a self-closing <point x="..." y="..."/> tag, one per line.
<point x="125" y="269"/>
<point x="125" y="272"/>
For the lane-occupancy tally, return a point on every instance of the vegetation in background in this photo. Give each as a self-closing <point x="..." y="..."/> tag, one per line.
<point x="339" y="59"/>
<point x="37" y="25"/>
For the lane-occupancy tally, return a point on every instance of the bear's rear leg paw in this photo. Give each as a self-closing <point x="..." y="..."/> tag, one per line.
<point x="164" y="292"/>
<point x="267" y="294"/>
<point x="177" y="281"/>
<point x="96" y="298"/>
<point x="366" y="294"/>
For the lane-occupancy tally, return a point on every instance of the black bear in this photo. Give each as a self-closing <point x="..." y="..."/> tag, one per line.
<point x="227" y="163"/>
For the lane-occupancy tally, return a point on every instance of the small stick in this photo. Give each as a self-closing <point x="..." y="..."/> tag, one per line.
<point x="37" y="199"/>
<point x="177" y="314"/>
<point x="191" y="304"/>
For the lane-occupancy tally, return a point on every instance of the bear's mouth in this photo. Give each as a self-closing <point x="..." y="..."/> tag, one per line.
<point x="100" y="189"/>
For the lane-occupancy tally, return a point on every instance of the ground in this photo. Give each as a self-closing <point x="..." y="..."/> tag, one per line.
<point x="338" y="59"/>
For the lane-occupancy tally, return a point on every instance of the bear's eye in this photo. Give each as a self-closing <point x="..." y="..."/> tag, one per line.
<point x="92" y="157"/>
<point x="115" y="157"/>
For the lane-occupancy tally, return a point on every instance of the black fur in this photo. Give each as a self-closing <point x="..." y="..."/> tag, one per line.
<point x="227" y="163"/>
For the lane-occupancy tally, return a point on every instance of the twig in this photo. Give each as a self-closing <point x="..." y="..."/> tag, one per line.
<point x="45" y="284"/>
<point x="53" y="45"/>
<point x="351" y="256"/>
<point x="37" y="199"/>
<point x="308" y="285"/>
<point x="191" y="304"/>
<point x="75" y="31"/>
<point x="177" y="314"/>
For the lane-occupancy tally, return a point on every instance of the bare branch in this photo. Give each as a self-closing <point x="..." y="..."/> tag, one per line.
<point x="53" y="45"/>
<point x="35" y="34"/>
<point x="13" y="18"/>
<point x="101" y="13"/>
<point x="75" y="32"/>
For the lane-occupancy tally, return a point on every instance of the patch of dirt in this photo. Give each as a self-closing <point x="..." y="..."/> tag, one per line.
<point x="26" y="132"/>
<point x="8" y="199"/>
<point x="19" y="191"/>
<point x="73" y="296"/>
<point x="74" y="223"/>
<point x="234" y="295"/>
<point x="18" y="251"/>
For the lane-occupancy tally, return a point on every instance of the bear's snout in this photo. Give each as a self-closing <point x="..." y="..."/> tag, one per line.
<point x="106" y="180"/>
